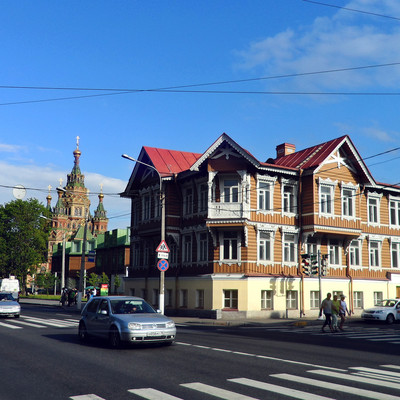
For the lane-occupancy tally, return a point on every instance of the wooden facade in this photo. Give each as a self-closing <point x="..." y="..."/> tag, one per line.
<point x="237" y="226"/>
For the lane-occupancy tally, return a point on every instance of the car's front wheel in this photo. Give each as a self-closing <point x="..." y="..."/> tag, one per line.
<point x="390" y="319"/>
<point x="114" y="339"/>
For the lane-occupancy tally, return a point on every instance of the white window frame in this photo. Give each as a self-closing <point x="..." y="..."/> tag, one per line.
<point x="183" y="298"/>
<point x="355" y="252"/>
<point x="203" y="197"/>
<point x="265" y="195"/>
<point x="334" y="252"/>
<point x="374" y="251"/>
<point x="394" y="212"/>
<point x="265" y="246"/>
<point x="230" y="192"/>
<point x="348" y="194"/>
<point x="358" y="300"/>
<point x="395" y="254"/>
<point x="378" y="296"/>
<point x="289" y="197"/>
<point x="373" y="209"/>
<point x="231" y="299"/>
<point x="267" y="299"/>
<point x="187" y="248"/>
<point x="188" y="201"/>
<point x="202" y="246"/>
<point x="229" y="238"/>
<point x="314" y="299"/>
<point x="292" y="297"/>
<point x="289" y="247"/>
<point x="326" y="200"/>
<point x="200" y="298"/>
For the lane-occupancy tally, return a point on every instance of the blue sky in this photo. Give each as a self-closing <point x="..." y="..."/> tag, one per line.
<point x="144" y="45"/>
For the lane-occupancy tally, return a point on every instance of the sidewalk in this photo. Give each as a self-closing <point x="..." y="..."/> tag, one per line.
<point x="295" y="322"/>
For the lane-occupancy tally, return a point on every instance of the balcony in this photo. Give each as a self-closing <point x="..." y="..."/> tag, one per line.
<point x="217" y="210"/>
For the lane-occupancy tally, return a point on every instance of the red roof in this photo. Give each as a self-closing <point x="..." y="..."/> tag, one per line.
<point x="169" y="162"/>
<point x="311" y="157"/>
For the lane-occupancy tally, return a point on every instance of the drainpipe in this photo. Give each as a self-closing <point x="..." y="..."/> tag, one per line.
<point x="299" y="213"/>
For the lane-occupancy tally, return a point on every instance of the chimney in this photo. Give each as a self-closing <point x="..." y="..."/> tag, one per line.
<point x="285" y="149"/>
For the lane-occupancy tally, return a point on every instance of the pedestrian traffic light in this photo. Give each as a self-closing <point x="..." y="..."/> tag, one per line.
<point x="314" y="264"/>
<point x="306" y="264"/>
<point x="324" y="264"/>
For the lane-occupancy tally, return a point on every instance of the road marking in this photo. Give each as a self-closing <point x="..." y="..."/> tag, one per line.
<point x="359" y="379"/>
<point x="18" y="321"/>
<point x="391" y="366"/>
<point x="87" y="397"/>
<point x="10" y="326"/>
<point x="338" y="387"/>
<point x="152" y="394"/>
<point x="377" y="371"/>
<point x="298" y="394"/>
<point x="263" y="357"/>
<point x="51" y="322"/>
<point x="216" y="392"/>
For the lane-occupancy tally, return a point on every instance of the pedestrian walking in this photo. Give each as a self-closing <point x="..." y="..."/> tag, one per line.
<point x="342" y="311"/>
<point x="335" y="312"/>
<point x="326" y="307"/>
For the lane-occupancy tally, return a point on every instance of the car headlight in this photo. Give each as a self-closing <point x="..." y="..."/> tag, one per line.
<point x="379" y="312"/>
<point x="134" y="326"/>
<point x="170" y="324"/>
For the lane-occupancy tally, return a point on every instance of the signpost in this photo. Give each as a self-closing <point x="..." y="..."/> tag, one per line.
<point x="162" y="265"/>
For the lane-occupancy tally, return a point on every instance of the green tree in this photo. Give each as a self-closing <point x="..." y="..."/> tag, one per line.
<point x="46" y="281"/>
<point x="23" y="238"/>
<point x="117" y="283"/>
<point x="104" y="278"/>
<point x="93" y="279"/>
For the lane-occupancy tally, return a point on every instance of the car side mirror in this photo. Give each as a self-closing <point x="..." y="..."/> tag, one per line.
<point x="158" y="311"/>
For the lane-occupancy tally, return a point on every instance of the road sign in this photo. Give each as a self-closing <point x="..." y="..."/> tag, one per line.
<point x="163" y="254"/>
<point x="162" y="247"/>
<point x="162" y="265"/>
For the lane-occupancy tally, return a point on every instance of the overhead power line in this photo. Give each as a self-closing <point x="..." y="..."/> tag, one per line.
<point x="351" y="9"/>
<point x="182" y="88"/>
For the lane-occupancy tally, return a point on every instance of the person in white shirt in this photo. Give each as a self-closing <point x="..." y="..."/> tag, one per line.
<point x="342" y="311"/>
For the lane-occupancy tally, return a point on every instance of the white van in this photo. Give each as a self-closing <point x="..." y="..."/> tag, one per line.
<point x="11" y="285"/>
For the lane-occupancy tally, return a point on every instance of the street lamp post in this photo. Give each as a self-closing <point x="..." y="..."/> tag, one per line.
<point x="162" y="202"/>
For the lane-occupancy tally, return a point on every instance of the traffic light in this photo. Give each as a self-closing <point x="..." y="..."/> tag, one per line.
<point x="306" y="264"/>
<point x="324" y="264"/>
<point x="314" y="264"/>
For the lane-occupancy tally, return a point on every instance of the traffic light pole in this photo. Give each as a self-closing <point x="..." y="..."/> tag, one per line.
<point x="319" y="276"/>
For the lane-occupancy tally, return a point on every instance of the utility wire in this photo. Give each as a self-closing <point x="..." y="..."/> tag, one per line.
<point x="180" y="89"/>
<point x="351" y="9"/>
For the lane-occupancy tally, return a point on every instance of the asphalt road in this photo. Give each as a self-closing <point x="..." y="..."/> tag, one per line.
<point x="43" y="359"/>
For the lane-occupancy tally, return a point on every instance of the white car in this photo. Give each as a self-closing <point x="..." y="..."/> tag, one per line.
<point x="386" y="310"/>
<point x="9" y="307"/>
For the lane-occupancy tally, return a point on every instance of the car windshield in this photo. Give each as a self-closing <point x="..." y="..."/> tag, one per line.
<point x="386" y="303"/>
<point x="6" y="297"/>
<point x="131" y="307"/>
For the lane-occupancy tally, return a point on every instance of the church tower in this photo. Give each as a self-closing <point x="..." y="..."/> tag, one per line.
<point x="72" y="209"/>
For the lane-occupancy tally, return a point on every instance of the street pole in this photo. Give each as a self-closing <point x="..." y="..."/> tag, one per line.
<point x="83" y="260"/>
<point x="63" y="264"/>
<point x="161" y="304"/>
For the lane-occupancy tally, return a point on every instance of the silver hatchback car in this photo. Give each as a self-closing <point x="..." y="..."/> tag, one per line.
<point x="125" y="319"/>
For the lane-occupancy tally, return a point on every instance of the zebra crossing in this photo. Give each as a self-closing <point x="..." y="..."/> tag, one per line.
<point x="39" y="323"/>
<point x="372" y="334"/>
<point x="356" y="382"/>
